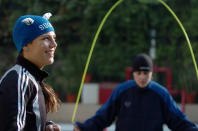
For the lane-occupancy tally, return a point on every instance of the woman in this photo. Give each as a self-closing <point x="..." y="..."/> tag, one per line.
<point x="24" y="98"/>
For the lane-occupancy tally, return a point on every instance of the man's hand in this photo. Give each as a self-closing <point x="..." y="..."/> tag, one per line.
<point x="76" y="128"/>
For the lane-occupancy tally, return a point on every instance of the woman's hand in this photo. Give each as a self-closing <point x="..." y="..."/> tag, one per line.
<point x="53" y="127"/>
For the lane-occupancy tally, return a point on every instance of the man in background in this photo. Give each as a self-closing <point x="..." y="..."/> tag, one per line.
<point x="139" y="105"/>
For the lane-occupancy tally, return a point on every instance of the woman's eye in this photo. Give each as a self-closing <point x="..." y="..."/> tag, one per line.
<point x="46" y="38"/>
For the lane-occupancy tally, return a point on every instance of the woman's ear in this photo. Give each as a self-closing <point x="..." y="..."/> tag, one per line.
<point x="25" y="48"/>
<point x="25" y="51"/>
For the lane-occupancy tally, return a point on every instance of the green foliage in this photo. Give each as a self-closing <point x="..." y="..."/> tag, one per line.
<point x="125" y="34"/>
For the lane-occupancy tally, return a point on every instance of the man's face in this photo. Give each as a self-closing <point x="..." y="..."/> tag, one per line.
<point x="142" y="78"/>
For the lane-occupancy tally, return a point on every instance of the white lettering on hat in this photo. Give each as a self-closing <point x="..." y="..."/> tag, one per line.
<point x="28" y="21"/>
<point x="45" y="26"/>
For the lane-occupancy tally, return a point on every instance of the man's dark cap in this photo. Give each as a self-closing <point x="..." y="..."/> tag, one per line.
<point x="142" y="62"/>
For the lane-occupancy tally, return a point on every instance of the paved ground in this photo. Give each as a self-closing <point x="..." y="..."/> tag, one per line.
<point x="69" y="127"/>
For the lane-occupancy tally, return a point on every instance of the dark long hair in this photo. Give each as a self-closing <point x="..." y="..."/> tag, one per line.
<point x="52" y="102"/>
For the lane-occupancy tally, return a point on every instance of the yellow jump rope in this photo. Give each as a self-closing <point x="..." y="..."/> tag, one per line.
<point x="96" y="37"/>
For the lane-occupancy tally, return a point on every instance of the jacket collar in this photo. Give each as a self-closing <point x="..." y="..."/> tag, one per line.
<point x="33" y="69"/>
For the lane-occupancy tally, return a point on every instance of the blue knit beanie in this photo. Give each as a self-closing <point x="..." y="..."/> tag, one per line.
<point x="29" y="27"/>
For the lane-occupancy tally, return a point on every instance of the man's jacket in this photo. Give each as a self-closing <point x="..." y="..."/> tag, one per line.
<point x="139" y="109"/>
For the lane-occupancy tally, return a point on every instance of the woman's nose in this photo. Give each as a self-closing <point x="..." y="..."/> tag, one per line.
<point x="53" y="44"/>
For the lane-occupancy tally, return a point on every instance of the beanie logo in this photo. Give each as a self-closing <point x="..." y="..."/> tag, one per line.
<point x="45" y="26"/>
<point x="28" y="21"/>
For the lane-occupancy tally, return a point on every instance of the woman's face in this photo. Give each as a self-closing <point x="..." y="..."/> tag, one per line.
<point x="142" y="78"/>
<point x="41" y="50"/>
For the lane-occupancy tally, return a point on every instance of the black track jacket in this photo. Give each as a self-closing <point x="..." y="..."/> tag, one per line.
<point x="22" y="104"/>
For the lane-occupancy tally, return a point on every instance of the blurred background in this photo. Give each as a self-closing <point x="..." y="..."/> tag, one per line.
<point x="135" y="26"/>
